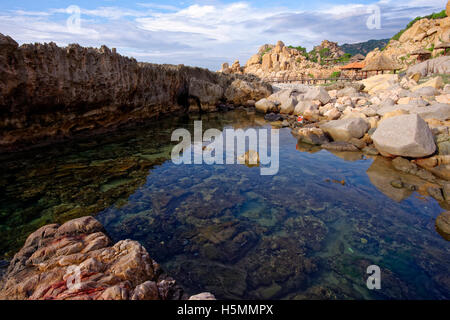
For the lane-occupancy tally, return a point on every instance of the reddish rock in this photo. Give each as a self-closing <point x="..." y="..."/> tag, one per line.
<point x="78" y="261"/>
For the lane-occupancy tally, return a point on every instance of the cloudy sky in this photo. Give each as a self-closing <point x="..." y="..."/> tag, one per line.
<point x="205" y="33"/>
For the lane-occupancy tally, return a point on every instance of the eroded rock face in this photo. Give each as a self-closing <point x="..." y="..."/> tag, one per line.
<point x="78" y="261"/>
<point x="48" y="93"/>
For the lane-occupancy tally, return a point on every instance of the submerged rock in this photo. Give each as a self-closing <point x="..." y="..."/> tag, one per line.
<point x="443" y="225"/>
<point x="311" y="135"/>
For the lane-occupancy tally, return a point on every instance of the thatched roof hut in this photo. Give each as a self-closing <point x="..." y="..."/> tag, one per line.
<point x="353" y="66"/>
<point x="381" y="63"/>
<point x="421" y="54"/>
<point x="357" y="57"/>
<point x="443" y="45"/>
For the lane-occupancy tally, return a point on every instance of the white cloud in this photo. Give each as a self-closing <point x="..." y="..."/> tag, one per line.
<point x="209" y="34"/>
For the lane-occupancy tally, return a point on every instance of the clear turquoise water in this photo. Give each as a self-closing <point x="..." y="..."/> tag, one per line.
<point x="227" y="229"/>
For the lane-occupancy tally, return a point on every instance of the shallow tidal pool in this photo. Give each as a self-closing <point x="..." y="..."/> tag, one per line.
<point x="308" y="232"/>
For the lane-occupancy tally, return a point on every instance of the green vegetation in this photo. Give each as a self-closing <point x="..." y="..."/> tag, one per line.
<point x="299" y="48"/>
<point x="265" y="51"/>
<point x="335" y="74"/>
<point x="431" y="48"/>
<point x="438" y="15"/>
<point x="344" y="59"/>
<point x="364" y="47"/>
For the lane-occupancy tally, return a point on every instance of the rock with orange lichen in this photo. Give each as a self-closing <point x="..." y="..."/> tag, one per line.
<point x="78" y="261"/>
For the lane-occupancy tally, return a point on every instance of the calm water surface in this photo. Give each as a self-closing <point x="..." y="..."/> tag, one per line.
<point x="225" y="228"/>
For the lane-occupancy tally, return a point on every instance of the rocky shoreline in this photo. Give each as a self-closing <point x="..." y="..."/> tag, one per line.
<point x="387" y="115"/>
<point x="49" y="93"/>
<point x="77" y="261"/>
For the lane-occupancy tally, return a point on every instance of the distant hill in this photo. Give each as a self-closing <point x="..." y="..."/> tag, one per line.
<point x="364" y="47"/>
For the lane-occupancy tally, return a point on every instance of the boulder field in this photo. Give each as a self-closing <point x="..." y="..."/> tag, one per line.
<point x="78" y="261"/>
<point x="405" y="118"/>
<point x="49" y="93"/>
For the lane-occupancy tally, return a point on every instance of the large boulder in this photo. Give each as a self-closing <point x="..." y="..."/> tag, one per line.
<point x="304" y="105"/>
<point x="439" y="111"/>
<point x="318" y="93"/>
<point x="240" y="91"/>
<point x="265" y="106"/>
<point x="345" y="129"/>
<point x="436" y="83"/>
<point x="440" y="65"/>
<point x="288" y="105"/>
<point x="379" y="82"/>
<point x="404" y="135"/>
<point x="78" y="261"/>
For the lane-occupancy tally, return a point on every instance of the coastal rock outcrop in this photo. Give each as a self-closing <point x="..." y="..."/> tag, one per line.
<point x="49" y="93"/>
<point x="77" y="261"/>
<point x="404" y="135"/>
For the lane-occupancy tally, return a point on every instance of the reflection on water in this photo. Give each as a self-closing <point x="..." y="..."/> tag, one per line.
<point x="229" y="230"/>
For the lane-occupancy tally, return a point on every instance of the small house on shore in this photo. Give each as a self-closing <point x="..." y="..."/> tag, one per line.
<point x="421" y="54"/>
<point x="381" y="63"/>
<point x="353" y="69"/>
<point x="444" y="45"/>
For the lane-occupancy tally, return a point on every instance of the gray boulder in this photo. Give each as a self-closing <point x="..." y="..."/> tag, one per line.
<point x="318" y="93"/>
<point x="405" y="135"/>
<point x="440" y="65"/>
<point x="265" y="106"/>
<point x="345" y="129"/>
<point x="426" y="91"/>
<point x="302" y="106"/>
<point x="288" y="105"/>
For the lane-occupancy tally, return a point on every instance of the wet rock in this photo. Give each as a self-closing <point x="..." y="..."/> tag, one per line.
<point x="339" y="146"/>
<point x="273" y="117"/>
<point x="443" y="225"/>
<point x="436" y="193"/>
<point x="78" y="261"/>
<point x="251" y="157"/>
<point x="313" y="136"/>
<point x="446" y="191"/>
<point x="397" y="184"/>
<point x="407" y="135"/>
<point x="404" y="165"/>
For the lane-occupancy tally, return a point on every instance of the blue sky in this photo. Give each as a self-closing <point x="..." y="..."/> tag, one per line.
<point x="204" y="33"/>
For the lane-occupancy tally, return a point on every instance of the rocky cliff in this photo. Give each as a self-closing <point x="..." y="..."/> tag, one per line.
<point x="423" y="34"/>
<point x="282" y="62"/>
<point x="49" y="93"/>
<point x="77" y="261"/>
